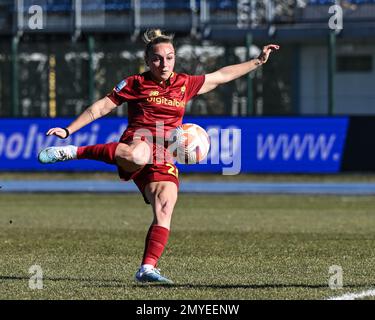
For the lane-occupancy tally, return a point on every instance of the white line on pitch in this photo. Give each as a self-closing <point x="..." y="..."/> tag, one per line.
<point x="353" y="296"/>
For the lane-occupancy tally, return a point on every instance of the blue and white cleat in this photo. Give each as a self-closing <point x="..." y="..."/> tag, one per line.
<point x="151" y="276"/>
<point x="56" y="154"/>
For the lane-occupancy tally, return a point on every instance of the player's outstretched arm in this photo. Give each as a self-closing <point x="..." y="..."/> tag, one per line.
<point x="97" y="110"/>
<point x="229" y="73"/>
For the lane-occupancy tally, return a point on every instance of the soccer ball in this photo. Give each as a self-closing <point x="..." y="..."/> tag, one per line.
<point x="191" y="142"/>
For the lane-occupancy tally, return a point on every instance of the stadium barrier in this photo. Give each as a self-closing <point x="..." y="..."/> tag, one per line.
<point x="248" y="145"/>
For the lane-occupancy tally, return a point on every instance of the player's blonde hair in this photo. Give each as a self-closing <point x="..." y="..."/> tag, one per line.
<point x="155" y="36"/>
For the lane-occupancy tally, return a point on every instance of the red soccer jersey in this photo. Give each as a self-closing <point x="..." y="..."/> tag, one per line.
<point x="151" y="103"/>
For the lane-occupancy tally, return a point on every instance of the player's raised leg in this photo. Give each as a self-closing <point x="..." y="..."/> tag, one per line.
<point x="99" y="152"/>
<point x="134" y="156"/>
<point x="130" y="157"/>
<point x="162" y="196"/>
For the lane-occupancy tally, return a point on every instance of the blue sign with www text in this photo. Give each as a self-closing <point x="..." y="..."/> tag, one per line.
<point x="258" y="145"/>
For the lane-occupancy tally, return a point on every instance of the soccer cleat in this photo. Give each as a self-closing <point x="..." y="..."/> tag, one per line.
<point x="56" y="154"/>
<point x="151" y="276"/>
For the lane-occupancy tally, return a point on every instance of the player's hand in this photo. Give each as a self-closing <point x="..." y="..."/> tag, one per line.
<point x="263" y="57"/>
<point x="58" y="132"/>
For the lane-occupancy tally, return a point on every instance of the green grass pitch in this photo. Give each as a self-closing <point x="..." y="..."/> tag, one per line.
<point x="221" y="246"/>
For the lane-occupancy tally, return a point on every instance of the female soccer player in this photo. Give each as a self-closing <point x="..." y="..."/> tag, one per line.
<point x="156" y="99"/>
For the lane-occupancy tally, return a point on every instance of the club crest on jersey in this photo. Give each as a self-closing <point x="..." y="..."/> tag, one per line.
<point x="120" y="86"/>
<point x="183" y="89"/>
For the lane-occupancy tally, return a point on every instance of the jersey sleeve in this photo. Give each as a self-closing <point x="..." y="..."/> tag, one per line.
<point x="122" y="92"/>
<point x="194" y="84"/>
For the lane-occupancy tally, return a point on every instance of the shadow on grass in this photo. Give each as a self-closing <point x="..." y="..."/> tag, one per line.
<point x="116" y="283"/>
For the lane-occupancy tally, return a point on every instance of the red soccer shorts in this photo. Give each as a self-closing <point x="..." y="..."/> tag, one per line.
<point x="155" y="172"/>
<point x="151" y="173"/>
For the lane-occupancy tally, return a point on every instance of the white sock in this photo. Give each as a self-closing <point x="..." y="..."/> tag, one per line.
<point x="146" y="267"/>
<point x="74" y="152"/>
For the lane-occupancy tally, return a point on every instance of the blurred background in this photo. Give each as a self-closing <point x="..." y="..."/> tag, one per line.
<point x="59" y="56"/>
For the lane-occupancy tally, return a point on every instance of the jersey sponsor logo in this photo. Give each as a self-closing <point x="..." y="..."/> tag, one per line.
<point x="165" y="101"/>
<point x="120" y="86"/>
<point x="154" y="93"/>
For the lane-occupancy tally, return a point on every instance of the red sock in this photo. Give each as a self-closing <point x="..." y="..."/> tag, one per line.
<point x="156" y="240"/>
<point x="100" y="152"/>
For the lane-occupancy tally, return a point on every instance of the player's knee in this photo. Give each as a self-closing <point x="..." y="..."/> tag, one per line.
<point x="123" y="151"/>
<point x="139" y="154"/>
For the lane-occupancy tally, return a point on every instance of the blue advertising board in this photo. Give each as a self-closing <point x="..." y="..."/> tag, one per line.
<point x="257" y="145"/>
